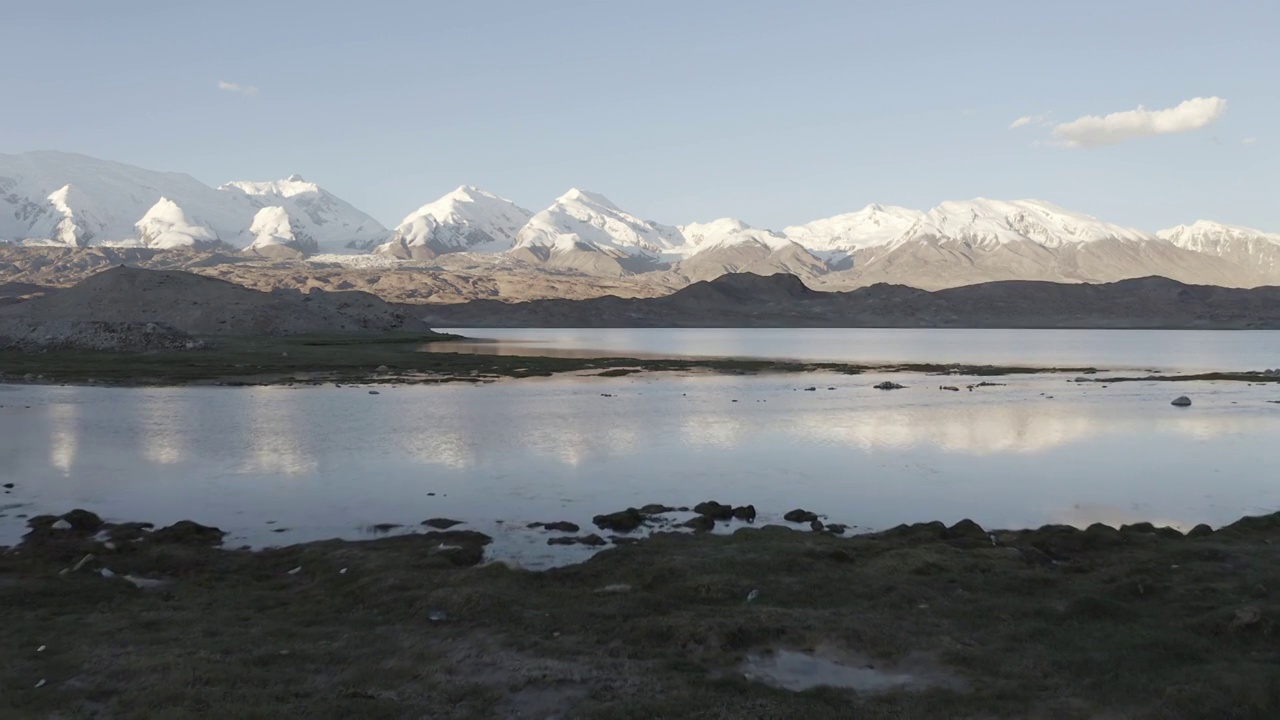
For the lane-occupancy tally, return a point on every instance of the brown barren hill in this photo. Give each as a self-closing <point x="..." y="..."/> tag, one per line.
<point x="782" y="300"/>
<point x="187" y="304"/>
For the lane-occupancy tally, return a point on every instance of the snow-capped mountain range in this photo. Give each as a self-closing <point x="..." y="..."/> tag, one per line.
<point x="68" y="199"/>
<point x="65" y="199"/>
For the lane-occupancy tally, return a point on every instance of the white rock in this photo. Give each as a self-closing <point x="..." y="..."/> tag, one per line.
<point x="60" y="525"/>
<point x="295" y="571"/>
<point x="145" y="583"/>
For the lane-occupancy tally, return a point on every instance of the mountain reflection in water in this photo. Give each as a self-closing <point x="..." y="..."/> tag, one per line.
<point x="327" y="461"/>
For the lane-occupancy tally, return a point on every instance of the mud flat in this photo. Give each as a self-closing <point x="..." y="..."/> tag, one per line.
<point x="920" y="621"/>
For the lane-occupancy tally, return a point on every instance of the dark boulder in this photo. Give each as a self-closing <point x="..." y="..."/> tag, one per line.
<point x="1146" y="528"/>
<point x="701" y="523"/>
<point x="1064" y="542"/>
<point x="655" y="509"/>
<point x="462" y="548"/>
<point x="714" y="510"/>
<point x="83" y="521"/>
<point x="441" y="523"/>
<point x="800" y="516"/>
<point x="837" y="528"/>
<point x="624" y="521"/>
<point x="916" y="532"/>
<point x="1200" y="530"/>
<point x="746" y="512"/>
<point x="562" y="526"/>
<point x="592" y="540"/>
<point x="1259" y="524"/>
<point x="186" y="532"/>
<point x="816" y="526"/>
<point x="967" y="534"/>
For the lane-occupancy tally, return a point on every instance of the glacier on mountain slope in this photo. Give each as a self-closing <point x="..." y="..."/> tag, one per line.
<point x="465" y="220"/>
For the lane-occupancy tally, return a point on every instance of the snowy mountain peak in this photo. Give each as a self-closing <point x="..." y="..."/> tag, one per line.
<point x="726" y="232"/>
<point x="873" y="225"/>
<point x="167" y="226"/>
<point x="333" y="224"/>
<point x="598" y="223"/>
<point x="1203" y="230"/>
<point x="290" y="187"/>
<point x="986" y="222"/>
<point x="1245" y="246"/>
<point x="586" y="197"/>
<point x="277" y="235"/>
<point x="467" y="219"/>
<point x="79" y="223"/>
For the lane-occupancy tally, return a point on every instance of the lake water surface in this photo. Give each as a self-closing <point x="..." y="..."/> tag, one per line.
<point x="323" y="462"/>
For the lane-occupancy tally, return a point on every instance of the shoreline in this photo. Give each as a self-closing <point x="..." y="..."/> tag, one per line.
<point x="920" y="621"/>
<point x="400" y="359"/>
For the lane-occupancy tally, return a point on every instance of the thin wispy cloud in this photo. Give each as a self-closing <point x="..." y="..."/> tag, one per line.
<point x="1097" y="131"/>
<point x="1249" y="140"/>
<point x="237" y="88"/>
<point x="1026" y="120"/>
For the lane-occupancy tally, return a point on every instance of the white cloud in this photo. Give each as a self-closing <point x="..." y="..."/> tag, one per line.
<point x="237" y="88"/>
<point x="1249" y="140"/>
<point x="1025" y="120"/>
<point x="1094" y="131"/>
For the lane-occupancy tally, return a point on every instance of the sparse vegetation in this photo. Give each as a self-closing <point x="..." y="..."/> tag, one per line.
<point x="1140" y="622"/>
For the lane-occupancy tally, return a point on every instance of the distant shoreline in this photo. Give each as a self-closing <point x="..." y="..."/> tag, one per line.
<point x="398" y="359"/>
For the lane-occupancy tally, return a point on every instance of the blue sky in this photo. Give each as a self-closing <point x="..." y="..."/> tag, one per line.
<point x="774" y="112"/>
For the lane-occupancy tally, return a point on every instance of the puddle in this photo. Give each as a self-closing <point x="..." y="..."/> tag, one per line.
<point x="798" y="671"/>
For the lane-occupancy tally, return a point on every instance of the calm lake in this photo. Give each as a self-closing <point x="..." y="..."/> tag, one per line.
<point x="317" y="462"/>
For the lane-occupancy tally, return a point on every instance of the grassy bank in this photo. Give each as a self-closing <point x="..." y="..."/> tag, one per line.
<point x="1052" y="623"/>
<point x="274" y="360"/>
